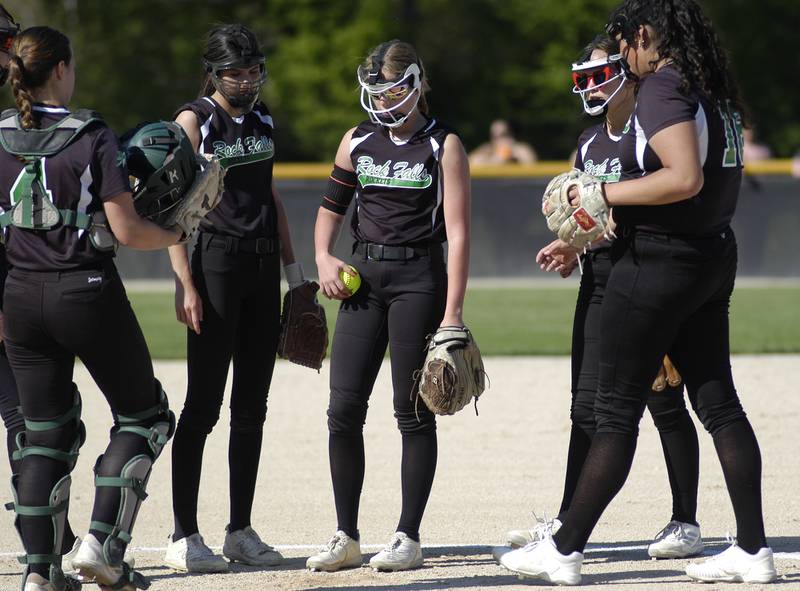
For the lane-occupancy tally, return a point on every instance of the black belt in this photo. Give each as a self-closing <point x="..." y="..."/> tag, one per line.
<point x="233" y="245"/>
<point x="384" y="252"/>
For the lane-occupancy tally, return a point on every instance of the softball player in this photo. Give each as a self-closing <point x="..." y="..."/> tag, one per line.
<point x="670" y="286"/>
<point x="229" y="298"/>
<point x="9" y="400"/>
<point x="410" y="178"/>
<point x="61" y="297"/>
<point x="603" y="85"/>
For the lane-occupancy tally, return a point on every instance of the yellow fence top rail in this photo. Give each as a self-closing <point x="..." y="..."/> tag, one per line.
<point x="546" y="169"/>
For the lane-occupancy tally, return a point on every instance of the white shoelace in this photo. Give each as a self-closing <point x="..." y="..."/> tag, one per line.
<point x="334" y="542"/>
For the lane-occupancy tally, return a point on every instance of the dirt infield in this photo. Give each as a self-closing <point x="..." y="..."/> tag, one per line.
<point x="493" y="470"/>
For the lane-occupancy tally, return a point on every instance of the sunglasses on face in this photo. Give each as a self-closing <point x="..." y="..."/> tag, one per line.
<point x="599" y="76"/>
<point x="393" y="94"/>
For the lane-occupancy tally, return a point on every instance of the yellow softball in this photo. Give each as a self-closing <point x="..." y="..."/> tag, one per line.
<point x="351" y="280"/>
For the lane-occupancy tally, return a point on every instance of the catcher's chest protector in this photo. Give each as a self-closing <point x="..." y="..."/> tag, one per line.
<point x="32" y="202"/>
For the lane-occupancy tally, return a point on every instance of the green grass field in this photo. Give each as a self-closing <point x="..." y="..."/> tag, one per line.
<point x="529" y="321"/>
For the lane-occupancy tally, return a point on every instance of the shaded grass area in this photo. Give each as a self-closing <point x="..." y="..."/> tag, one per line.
<point x="528" y="321"/>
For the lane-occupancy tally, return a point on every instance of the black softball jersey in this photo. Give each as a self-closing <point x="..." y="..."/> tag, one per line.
<point x="245" y="148"/>
<point x="660" y="103"/>
<point x="80" y="177"/>
<point x="399" y="192"/>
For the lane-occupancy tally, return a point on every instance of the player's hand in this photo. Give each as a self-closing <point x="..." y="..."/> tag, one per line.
<point x="188" y="305"/>
<point x="558" y="256"/>
<point x="328" y="268"/>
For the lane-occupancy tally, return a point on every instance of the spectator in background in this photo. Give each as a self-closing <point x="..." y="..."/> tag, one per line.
<point x="502" y="148"/>
<point x="796" y="166"/>
<point x="753" y="151"/>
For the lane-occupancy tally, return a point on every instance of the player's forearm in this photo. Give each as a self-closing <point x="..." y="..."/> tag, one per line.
<point x="284" y="234"/>
<point x="179" y="259"/>
<point x="326" y="231"/>
<point x="457" y="273"/>
<point x="664" y="186"/>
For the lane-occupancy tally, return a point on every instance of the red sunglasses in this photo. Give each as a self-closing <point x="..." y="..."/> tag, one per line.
<point x="599" y="76"/>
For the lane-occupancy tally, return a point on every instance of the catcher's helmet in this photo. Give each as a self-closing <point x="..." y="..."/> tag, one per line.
<point x="234" y="46"/>
<point x="162" y="164"/>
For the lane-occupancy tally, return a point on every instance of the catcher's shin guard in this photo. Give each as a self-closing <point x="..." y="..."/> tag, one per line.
<point x="156" y="425"/>
<point x="58" y="502"/>
<point x="56" y="509"/>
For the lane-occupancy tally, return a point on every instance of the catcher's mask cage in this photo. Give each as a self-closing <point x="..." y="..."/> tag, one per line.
<point x="240" y="94"/>
<point x="608" y="68"/>
<point x="162" y="165"/>
<point x="407" y="90"/>
<point x="9" y="29"/>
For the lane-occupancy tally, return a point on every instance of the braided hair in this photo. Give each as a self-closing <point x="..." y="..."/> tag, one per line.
<point x="37" y="51"/>
<point x="685" y="36"/>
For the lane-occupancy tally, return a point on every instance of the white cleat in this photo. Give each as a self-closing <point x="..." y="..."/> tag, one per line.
<point x="342" y="551"/>
<point x="542" y="560"/>
<point x="69" y="569"/>
<point x="36" y="582"/>
<point x="517" y="538"/>
<point x="91" y="565"/>
<point x="734" y="565"/>
<point x="246" y="547"/>
<point x="401" y="553"/>
<point x="677" y="540"/>
<point x="191" y="555"/>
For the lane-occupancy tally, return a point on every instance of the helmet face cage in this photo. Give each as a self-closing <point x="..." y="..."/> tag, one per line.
<point x="373" y="87"/>
<point x="243" y="94"/>
<point x="615" y="62"/>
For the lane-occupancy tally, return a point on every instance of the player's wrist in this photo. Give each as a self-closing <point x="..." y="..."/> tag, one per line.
<point x="294" y="275"/>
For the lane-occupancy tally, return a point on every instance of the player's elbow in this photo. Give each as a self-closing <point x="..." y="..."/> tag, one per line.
<point x="689" y="184"/>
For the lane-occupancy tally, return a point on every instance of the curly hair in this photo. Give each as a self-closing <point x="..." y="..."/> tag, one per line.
<point x="687" y="37"/>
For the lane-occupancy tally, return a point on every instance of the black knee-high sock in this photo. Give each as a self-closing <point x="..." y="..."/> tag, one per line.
<point x="739" y="454"/>
<point x="604" y="472"/>
<point x="682" y="456"/>
<point x="244" y="453"/>
<point x="346" y="455"/>
<point x="187" y="463"/>
<point x="580" y="439"/>
<point x="417" y="469"/>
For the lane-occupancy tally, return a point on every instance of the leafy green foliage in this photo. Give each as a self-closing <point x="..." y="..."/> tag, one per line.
<point x="486" y="59"/>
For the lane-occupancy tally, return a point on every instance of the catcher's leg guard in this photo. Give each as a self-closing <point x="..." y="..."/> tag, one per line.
<point x="156" y="425"/>
<point x="58" y="503"/>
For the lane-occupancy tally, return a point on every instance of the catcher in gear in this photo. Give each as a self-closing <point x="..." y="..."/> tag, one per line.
<point x="229" y="296"/>
<point x="406" y="291"/>
<point x="64" y="300"/>
<point x="604" y="87"/>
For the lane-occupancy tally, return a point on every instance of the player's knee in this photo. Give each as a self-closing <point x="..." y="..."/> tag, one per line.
<point x="249" y="420"/>
<point x="346" y="417"/>
<point x="197" y="419"/>
<point x="415" y="422"/>
<point x="582" y="414"/>
<point x="717" y="417"/>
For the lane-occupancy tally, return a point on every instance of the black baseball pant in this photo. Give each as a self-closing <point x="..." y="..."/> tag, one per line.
<point x="399" y="303"/>
<point x="668" y="409"/>
<point x="667" y="294"/>
<point x="50" y="319"/>
<point x="241" y="322"/>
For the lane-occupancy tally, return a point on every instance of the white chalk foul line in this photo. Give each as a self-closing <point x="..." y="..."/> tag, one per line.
<point x="480" y="547"/>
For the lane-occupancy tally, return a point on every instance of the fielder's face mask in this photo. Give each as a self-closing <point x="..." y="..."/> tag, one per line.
<point x="241" y="94"/>
<point x="599" y="72"/>
<point x="389" y="102"/>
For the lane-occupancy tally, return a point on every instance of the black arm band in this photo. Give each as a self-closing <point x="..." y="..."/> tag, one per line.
<point x="340" y="190"/>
